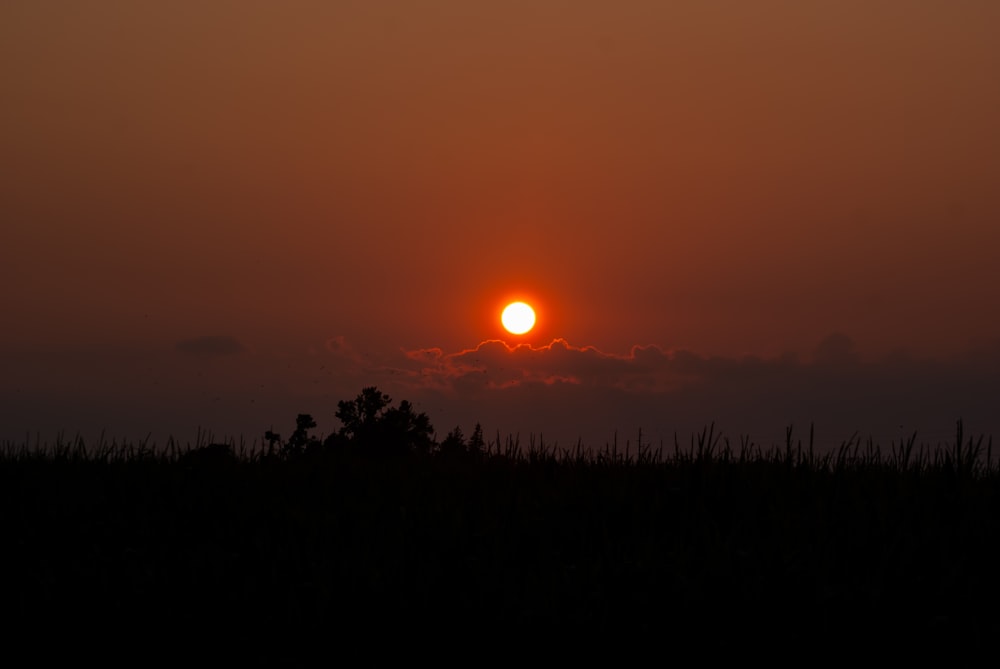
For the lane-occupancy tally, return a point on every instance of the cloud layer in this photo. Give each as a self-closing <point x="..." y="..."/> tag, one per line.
<point x="559" y="391"/>
<point x="583" y="392"/>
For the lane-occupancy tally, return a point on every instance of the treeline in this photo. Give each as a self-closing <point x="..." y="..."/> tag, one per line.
<point x="371" y="425"/>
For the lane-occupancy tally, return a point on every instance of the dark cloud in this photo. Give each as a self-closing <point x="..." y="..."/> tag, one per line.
<point x="210" y="346"/>
<point x="583" y="392"/>
<point x="560" y="391"/>
<point x="498" y="365"/>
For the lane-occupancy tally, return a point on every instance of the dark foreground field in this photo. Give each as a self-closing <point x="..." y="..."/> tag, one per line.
<point x="339" y="545"/>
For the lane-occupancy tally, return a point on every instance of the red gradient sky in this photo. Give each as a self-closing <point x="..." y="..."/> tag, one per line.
<point x="306" y="179"/>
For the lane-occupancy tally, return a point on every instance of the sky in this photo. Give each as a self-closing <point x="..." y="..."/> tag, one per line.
<point x="220" y="214"/>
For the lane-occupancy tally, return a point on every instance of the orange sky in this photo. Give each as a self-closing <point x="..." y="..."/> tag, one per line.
<point x="720" y="177"/>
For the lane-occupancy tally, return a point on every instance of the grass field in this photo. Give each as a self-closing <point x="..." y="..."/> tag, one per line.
<point x="514" y="539"/>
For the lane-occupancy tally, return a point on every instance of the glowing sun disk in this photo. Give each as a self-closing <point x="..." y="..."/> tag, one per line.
<point x="518" y="318"/>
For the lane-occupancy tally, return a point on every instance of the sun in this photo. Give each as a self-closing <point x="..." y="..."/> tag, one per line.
<point x="518" y="318"/>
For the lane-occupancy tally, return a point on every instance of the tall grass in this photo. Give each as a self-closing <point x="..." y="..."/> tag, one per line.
<point x="967" y="455"/>
<point x="525" y="537"/>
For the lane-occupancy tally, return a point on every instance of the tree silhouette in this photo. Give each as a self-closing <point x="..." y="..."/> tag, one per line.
<point x="370" y="423"/>
<point x="272" y="438"/>
<point x="454" y="442"/>
<point x="476" y="441"/>
<point x="361" y="415"/>
<point x="299" y="443"/>
<point x="300" y="439"/>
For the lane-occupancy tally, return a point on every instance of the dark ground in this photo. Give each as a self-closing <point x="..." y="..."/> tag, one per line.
<point x="343" y="548"/>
